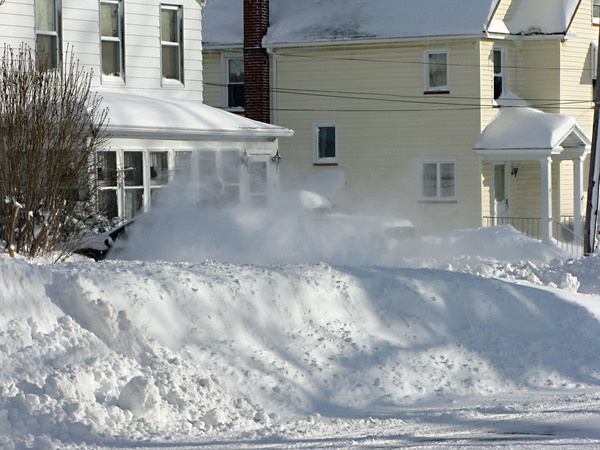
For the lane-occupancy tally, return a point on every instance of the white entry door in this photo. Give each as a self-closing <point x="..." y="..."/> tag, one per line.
<point x="500" y="194"/>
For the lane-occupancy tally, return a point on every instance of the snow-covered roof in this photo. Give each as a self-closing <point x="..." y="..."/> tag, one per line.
<point x="527" y="128"/>
<point x="537" y="16"/>
<point x="303" y="21"/>
<point x="135" y="114"/>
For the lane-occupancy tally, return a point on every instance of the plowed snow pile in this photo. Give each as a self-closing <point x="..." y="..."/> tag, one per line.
<point x="123" y="353"/>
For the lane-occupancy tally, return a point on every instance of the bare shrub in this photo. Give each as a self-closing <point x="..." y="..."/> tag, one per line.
<point x="51" y="125"/>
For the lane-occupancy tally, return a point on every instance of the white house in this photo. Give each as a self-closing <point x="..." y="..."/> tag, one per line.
<point x="146" y="59"/>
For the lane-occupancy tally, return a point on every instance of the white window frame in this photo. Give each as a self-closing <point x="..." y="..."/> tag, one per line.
<point x="438" y="197"/>
<point x="595" y="18"/>
<point x="57" y="33"/>
<point x="113" y="79"/>
<point x="327" y="160"/>
<point x="179" y="44"/>
<point x="225" y="58"/>
<point x="502" y="74"/>
<point x="439" y="89"/>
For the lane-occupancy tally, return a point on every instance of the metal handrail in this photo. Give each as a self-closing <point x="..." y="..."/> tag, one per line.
<point x="562" y="235"/>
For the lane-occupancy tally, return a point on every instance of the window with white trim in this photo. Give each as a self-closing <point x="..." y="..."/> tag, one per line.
<point x="48" y="33"/>
<point x="325" y="143"/>
<point x="233" y="82"/>
<point x="596" y="11"/>
<point x="499" y="71"/>
<point x="437" y="76"/>
<point x="112" y="41"/>
<point x="438" y="180"/>
<point x="171" y="41"/>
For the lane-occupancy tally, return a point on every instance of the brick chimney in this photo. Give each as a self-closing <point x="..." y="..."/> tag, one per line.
<point x="256" y="61"/>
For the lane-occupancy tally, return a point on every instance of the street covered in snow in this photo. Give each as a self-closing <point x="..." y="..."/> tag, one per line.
<point x="256" y="334"/>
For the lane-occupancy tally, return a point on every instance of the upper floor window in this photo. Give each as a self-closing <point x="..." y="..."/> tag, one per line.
<point x="498" y="60"/>
<point x="48" y="36"/>
<point x="325" y="143"/>
<point x="438" y="181"/>
<point x="111" y="30"/>
<point x="171" y="37"/>
<point x="437" y="77"/>
<point x="233" y="81"/>
<point x="596" y="11"/>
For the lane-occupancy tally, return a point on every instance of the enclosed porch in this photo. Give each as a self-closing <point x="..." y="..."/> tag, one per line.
<point x="533" y="175"/>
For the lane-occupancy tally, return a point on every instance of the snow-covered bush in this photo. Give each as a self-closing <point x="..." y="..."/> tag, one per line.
<point x="51" y="125"/>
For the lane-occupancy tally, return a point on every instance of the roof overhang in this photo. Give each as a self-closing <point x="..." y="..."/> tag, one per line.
<point x="147" y="117"/>
<point x="527" y="134"/>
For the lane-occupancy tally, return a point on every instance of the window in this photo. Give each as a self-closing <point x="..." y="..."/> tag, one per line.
<point x="112" y="45"/>
<point x="48" y="36"/>
<point x="437" y="78"/>
<point x="171" y="36"/>
<point x="596" y="11"/>
<point x="233" y="81"/>
<point x="438" y="181"/>
<point x="325" y="143"/>
<point x="107" y="184"/>
<point x="498" y="60"/>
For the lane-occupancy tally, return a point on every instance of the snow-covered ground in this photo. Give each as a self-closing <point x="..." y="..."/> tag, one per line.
<point x="231" y="330"/>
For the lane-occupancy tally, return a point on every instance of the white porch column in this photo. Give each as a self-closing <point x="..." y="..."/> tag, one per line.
<point x="578" y="196"/>
<point x="546" y="199"/>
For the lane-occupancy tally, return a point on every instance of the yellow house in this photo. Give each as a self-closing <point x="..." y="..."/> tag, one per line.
<point x="450" y="113"/>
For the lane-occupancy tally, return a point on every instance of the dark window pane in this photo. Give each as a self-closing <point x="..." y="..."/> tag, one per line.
<point x="46" y="51"/>
<point x="168" y="18"/>
<point x="447" y="180"/>
<point x="235" y="95"/>
<point x="159" y="168"/>
<point x="236" y="71"/>
<point x="107" y="168"/>
<point x="111" y="58"/>
<point x="107" y="203"/>
<point x="437" y="64"/>
<point x="45" y="15"/>
<point x="430" y="180"/>
<point x="326" y="142"/>
<point x="497" y="87"/>
<point x="134" y="200"/>
<point x="170" y="62"/>
<point x="134" y="168"/>
<point x="109" y="19"/>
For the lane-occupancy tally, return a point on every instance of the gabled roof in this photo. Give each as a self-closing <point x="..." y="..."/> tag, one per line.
<point x="306" y="21"/>
<point x="528" y="133"/>
<point x="135" y="115"/>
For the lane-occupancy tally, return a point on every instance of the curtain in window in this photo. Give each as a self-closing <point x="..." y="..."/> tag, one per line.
<point x="134" y="174"/>
<point x="437" y="65"/>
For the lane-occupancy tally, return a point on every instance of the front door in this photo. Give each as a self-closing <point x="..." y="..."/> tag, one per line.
<point x="500" y="192"/>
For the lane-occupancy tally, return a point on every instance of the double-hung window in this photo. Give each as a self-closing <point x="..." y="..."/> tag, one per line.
<point x="596" y="11"/>
<point x="499" y="77"/>
<point x="112" y="40"/>
<point x="438" y="181"/>
<point x="233" y="82"/>
<point x="171" y="41"/>
<point x="437" y="76"/>
<point x="48" y="33"/>
<point x="325" y="143"/>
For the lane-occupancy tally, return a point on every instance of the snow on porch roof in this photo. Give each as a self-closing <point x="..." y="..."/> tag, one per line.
<point x="524" y="128"/>
<point x="133" y="115"/>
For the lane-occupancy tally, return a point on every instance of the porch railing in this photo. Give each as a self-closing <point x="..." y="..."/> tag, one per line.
<point x="562" y="232"/>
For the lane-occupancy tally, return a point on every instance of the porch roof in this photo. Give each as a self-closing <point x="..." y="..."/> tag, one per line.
<point x="524" y="133"/>
<point x="143" y="116"/>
